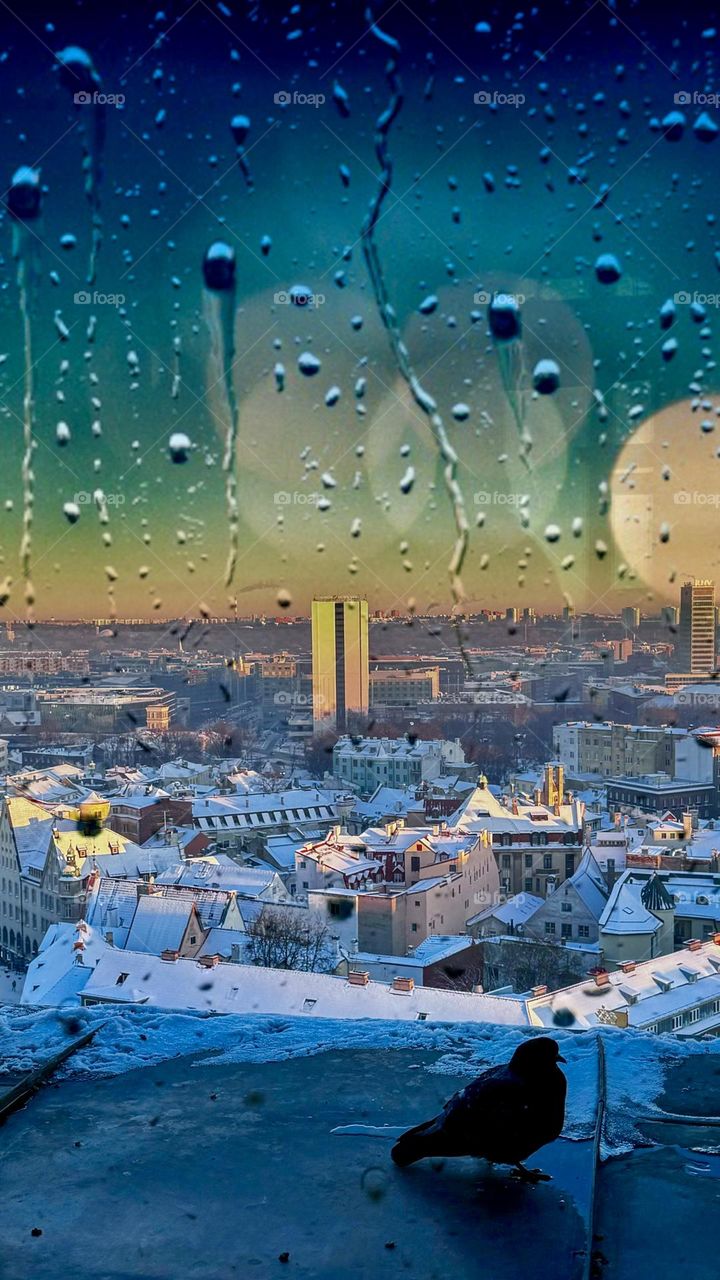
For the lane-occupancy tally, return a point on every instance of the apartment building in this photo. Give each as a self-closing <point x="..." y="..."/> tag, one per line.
<point x="615" y="750"/>
<point x="404" y="688"/>
<point x="367" y="763"/>
<point x="536" y="840"/>
<point x="45" y="861"/>
<point x="244" y="822"/>
<point x="392" y="887"/>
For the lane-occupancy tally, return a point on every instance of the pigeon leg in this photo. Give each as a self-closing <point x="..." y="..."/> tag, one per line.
<point x="530" y="1175"/>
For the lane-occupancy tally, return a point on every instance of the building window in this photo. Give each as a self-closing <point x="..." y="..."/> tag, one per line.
<point x="677" y="1021"/>
<point x="569" y="865"/>
<point x="413" y="928"/>
<point x="549" y="926"/>
<point x="528" y="885"/>
<point x="566" y="906"/>
<point x="121" y="978"/>
<point x="414" y="864"/>
<point x="547" y="862"/>
<point x="566" y="930"/>
<point x="506" y="860"/>
<point x="583" y="931"/>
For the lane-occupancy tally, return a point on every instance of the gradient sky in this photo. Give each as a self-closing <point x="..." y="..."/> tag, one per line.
<point x="171" y="185"/>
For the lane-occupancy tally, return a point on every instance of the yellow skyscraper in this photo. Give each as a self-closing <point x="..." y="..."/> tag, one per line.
<point x="340" y="661"/>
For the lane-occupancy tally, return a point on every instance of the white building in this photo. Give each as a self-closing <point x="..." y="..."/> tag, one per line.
<point x="678" y="993"/>
<point x="237" y="821"/>
<point x="367" y="763"/>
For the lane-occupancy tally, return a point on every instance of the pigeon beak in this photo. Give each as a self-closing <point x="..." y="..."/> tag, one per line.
<point x="561" y="1059"/>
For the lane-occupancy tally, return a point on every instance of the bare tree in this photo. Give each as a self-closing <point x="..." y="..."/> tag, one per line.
<point x="290" y="938"/>
<point x="523" y="964"/>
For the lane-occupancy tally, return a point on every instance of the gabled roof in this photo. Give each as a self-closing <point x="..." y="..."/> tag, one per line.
<point x="159" y="923"/>
<point x="514" y="911"/>
<point x="589" y="884"/>
<point x="625" y="911"/>
<point x="223" y="874"/>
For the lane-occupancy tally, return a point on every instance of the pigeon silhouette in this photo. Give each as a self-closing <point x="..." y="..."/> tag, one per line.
<point x="503" y="1116"/>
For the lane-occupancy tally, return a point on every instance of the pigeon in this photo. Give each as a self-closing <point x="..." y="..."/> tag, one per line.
<point x="503" y="1116"/>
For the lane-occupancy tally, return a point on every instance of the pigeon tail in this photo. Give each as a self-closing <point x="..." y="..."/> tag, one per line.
<point x="416" y="1144"/>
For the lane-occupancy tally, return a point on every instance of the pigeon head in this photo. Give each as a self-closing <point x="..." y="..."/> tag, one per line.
<point x="533" y="1057"/>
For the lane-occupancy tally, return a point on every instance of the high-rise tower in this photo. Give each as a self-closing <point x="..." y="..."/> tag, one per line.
<point x="696" y="638"/>
<point x="340" y="661"/>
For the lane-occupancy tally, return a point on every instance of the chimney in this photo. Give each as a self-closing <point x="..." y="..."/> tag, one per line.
<point x="358" y="979"/>
<point x="403" y="985"/>
<point x="235" y="953"/>
<point x="694" y="944"/>
<point x="687" y="821"/>
<point x="515" y="808"/>
<point x="169" y="954"/>
<point x="209" y="962"/>
<point x="538" y="991"/>
<point x="602" y="979"/>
